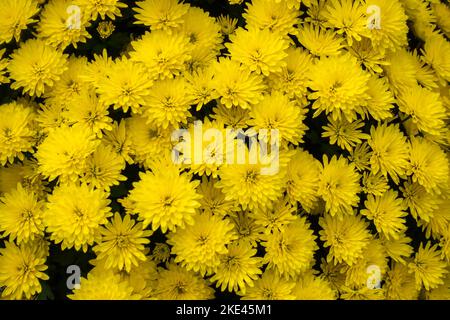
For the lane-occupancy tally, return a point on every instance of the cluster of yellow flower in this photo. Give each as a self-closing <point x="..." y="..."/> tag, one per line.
<point x="357" y="90"/>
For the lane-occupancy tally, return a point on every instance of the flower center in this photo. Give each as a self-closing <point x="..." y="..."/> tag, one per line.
<point x="180" y="288"/>
<point x="250" y="176"/>
<point x="202" y="240"/>
<point x="167" y="201"/>
<point x="27" y="214"/>
<point x="122" y="241"/>
<point x="78" y="212"/>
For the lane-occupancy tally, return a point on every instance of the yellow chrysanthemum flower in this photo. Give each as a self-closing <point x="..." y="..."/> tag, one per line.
<point x="102" y="8"/>
<point x="390" y="151"/>
<point x="424" y="107"/>
<point x="59" y="28"/>
<point x="128" y="205"/>
<point x="177" y="283"/>
<point x="429" y="270"/>
<point x="387" y="213"/>
<point x="148" y="142"/>
<point x="227" y="24"/>
<point x="234" y="117"/>
<point x="362" y="292"/>
<point x="52" y="115"/>
<point x="334" y="274"/>
<point x="200" y="86"/>
<point x="101" y="284"/>
<point x="12" y="175"/>
<point x="294" y="4"/>
<point x="103" y="168"/>
<point x="270" y="287"/>
<point x="261" y="51"/>
<point x="405" y="70"/>
<point x="316" y="12"/>
<point x="303" y="173"/>
<point x="346" y="134"/>
<point x="246" y="228"/>
<point x="35" y="67"/>
<point x="21" y="269"/>
<point x="25" y="173"/>
<point x="126" y="85"/>
<point x="143" y="278"/>
<point x="319" y="41"/>
<point x="360" y="156"/>
<point x="42" y="246"/>
<point x="310" y="287"/>
<point x="368" y="55"/>
<point x="164" y="56"/>
<point x="442" y="292"/>
<point x="392" y="31"/>
<point x="290" y="251"/>
<point x="15" y="15"/>
<point x="397" y="249"/>
<point x="435" y="54"/>
<point x="97" y="69"/>
<point x="359" y="273"/>
<point x="16" y="132"/>
<point x="74" y="215"/>
<point x="346" y="236"/>
<point x="340" y="86"/>
<point x="400" y="284"/>
<point x="168" y="103"/>
<point x="71" y="84"/>
<point x="444" y="243"/>
<point x="274" y="16"/>
<point x="213" y="199"/>
<point x="3" y="65"/>
<point x="293" y="78"/>
<point x="204" y="37"/>
<point x="122" y="243"/>
<point x="238" y="268"/>
<point x="429" y="165"/>
<point x="442" y="11"/>
<point x="199" y="247"/>
<point x="375" y="184"/>
<point x="207" y="154"/>
<point x="339" y="185"/>
<point x="236" y="85"/>
<point x="277" y="112"/>
<point x="275" y="218"/>
<point x="87" y="111"/>
<point x="21" y="214"/>
<point x="119" y="139"/>
<point x="248" y="183"/>
<point x="64" y="153"/>
<point x="438" y="223"/>
<point x="161" y="252"/>
<point x="381" y="99"/>
<point x="348" y="17"/>
<point x="165" y="198"/>
<point x="166" y="15"/>
<point x="421" y="203"/>
<point x="105" y="29"/>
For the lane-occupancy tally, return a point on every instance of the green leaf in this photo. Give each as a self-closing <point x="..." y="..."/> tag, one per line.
<point x="46" y="293"/>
